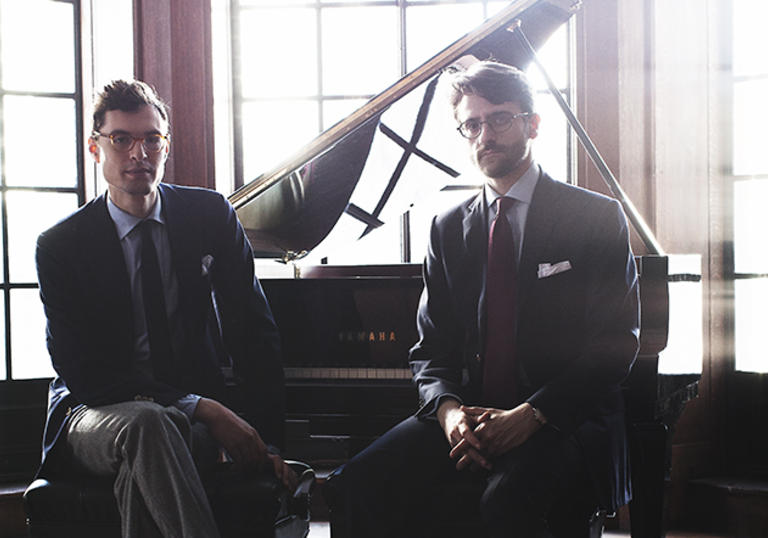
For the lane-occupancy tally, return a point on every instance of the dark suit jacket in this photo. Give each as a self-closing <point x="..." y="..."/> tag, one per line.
<point x="85" y="292"/>
<point x="577" y="331"/>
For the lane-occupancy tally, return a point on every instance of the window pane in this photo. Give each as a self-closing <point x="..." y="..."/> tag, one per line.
<point x="278" y="52"/>
<point x="112" y="27"/>
<point x="429" y="29"/>
<point x="549" y="147"/>
<point x="751" y="321"/>
<point x="750" y="40"/>
<point x="223" y="137"/>
<point x="30" y="357"/>
<point x="337" y="109"/>
<point x="554" y="57"/>
<point x="750" y="226"/>
<point x="684" y="351"/>
<point x="40" y="152"/>
<point x="38" y="45"/>
<point x="273" y="130"/>
<point x="360" y="52"/>
<point x="29" y="214"/>
<point x="750" y="127"/>
<point x="495" y="7"/>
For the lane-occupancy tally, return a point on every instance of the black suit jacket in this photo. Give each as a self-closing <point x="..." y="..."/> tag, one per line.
<point x="577" y="330"/>
<point x="86" y="295"/>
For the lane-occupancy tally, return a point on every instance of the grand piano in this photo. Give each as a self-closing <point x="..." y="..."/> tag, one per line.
<point x="346" y="330"/>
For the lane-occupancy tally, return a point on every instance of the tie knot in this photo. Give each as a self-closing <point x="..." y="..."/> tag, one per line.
<point x="502" y="204"/>
<point x="145" y="227"/>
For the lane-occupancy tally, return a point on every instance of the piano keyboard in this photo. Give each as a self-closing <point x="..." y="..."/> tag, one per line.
<point x="346" y="373"/>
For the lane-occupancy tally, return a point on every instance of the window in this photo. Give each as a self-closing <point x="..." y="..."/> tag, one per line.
<point x="41" y="167"/>
<point x="298" y="67"/>
<point x="749" y="162"/>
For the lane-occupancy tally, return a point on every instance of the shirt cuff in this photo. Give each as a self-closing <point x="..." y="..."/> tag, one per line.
<point x="187" y="404"/>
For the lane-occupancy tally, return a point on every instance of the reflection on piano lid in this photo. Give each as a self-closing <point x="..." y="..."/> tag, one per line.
<point x="369" y="168"/>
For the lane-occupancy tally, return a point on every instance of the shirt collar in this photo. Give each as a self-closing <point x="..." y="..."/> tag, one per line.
<point x="522" y="190"/>
<point x="125" y="222"/>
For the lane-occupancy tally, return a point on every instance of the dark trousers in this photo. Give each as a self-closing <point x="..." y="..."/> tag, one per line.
<point x="404" y="484"/>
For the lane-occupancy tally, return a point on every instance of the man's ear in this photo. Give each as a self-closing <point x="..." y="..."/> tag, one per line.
<point x="533" y="125"/>
<point x="94" y="149"/>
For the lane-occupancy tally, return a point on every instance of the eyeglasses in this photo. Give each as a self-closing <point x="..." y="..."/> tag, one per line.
<point x="498" y="122"/>
<point x="122" y="142"/>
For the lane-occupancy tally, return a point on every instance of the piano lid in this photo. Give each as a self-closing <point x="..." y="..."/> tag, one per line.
<point x="369" y="168"/>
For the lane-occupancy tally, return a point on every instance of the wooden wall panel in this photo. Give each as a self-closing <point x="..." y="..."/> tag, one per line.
<point x="648" y="95"/>
<point x="613" y="99"/>
<point x="173" y="53"/>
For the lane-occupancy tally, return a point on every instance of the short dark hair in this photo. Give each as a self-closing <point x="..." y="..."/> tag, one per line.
<point x="127" y="96"/>
<point x="495" y="82"/>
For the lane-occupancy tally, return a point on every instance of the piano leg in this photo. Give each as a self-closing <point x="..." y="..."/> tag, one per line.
<point x="648" y="442"/>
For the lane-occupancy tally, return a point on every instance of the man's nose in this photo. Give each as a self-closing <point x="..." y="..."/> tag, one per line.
<point x="486" y="134"/>
<point x="138" y="150"/>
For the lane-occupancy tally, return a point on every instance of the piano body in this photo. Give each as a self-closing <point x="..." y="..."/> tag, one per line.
<point x="346" y="330"/>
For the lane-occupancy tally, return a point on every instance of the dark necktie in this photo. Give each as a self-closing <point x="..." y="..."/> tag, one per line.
<point x="499" y="379"/>
<point x="160" y="350"/>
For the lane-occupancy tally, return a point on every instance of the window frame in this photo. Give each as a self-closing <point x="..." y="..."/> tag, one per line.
<point x="727" y="138"/>
<point x="79" y="189"/>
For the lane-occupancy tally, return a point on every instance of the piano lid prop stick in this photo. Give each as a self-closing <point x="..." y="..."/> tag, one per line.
<point x="651" y="243"/>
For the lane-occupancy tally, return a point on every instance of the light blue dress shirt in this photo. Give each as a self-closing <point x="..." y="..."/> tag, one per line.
<point x="130" y="241"/>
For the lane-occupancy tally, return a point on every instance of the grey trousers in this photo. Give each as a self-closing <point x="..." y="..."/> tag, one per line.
<point x="152" y="450"/>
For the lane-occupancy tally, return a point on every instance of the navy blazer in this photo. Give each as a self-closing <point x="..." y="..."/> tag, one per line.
<point x="577" y="330"/>
<point x="86" y="295"/>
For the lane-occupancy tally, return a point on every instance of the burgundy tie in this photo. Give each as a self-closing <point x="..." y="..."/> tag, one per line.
<point x="499" y="383"/>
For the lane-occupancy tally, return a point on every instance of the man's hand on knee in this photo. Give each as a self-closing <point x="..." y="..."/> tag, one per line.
<point x="235" y="435"/>
<point x="241" y="440"/>
<point x="459" y="427"/>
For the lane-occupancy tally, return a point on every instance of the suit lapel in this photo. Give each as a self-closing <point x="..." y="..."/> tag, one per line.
<point x="474" y="227"/>
<point x="183" y="235"/>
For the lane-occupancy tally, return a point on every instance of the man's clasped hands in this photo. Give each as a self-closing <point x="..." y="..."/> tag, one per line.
<point x="479" y="434"/>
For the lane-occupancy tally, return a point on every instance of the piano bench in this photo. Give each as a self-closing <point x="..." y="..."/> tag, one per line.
<point x="243" y="505"/>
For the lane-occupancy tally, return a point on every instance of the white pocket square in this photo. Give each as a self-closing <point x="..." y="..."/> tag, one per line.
<point x="549" y="269"/>
<point x="207" y="262"/>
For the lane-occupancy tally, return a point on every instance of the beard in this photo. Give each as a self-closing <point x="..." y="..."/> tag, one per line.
<point x="497" y="161"/>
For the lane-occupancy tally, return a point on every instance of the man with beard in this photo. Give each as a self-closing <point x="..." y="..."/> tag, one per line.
<point x="528" y="323"/>
<point x="127" y="284"/>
